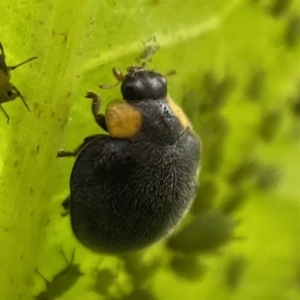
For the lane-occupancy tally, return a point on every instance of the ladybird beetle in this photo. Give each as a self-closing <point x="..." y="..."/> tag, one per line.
<point x="130" y="188"/>
<point x="8" y="91"/>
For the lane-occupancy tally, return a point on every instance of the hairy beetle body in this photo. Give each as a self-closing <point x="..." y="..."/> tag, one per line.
<point x="130" y="190"/>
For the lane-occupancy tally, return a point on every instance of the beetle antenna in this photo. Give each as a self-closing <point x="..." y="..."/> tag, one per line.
<point x="109" y="86"/>
<point x="22" y="63"/>
<point x="118" y="75"/>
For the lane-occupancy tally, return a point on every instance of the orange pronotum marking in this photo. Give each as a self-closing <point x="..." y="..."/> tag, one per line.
<point x="122" y="119"/>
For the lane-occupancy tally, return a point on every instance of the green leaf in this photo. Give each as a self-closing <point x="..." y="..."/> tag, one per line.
<point x="236" y="61"/>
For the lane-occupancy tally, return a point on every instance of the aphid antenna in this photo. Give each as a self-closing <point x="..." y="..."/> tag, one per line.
<point x="170" y="73"/>
<point x="10" y="68"/>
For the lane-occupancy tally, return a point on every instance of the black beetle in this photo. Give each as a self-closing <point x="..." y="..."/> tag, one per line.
<point x="8" y="91"/>
<point x="131" y="188"/>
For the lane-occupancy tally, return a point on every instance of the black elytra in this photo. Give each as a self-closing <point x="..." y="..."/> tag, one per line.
<point x="128" y="193"/>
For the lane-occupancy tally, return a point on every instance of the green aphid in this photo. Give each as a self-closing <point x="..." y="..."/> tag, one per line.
<point x="295" y="106"/>
<point x="256" y="84"/>
<point x="214" y="132"/>
<point x="280" y="7"/>
<point x="138" y="294"/>
<point x="234" y="272"/>
<point x="8" y="92"/>
<point x="234" y="201"/>
<point x="151" y="46"/>
<point x="190" y="104"/>
<point x="103" y="280"/>
<point x="204" y="201"/>
<point x="269" y="125"/>
<point x="297" y="273"/>
<point x="215" y="92"/>
<point x="214" y="158"/>
<point x="268" y="177"/>
<point x="245" y="171"/>
<point x="61" y="282"/>
<point x="206" y="233"/>
<point x="139" y="271"/>
<point x="214" y="129"/>
<point x="292" y="32"/>
<point x="187" y="267"/>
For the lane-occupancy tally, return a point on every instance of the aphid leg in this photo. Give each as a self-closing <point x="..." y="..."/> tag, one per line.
<point x="64" y="153"/>
<point x="149" y="40"/>
<point x="5" y="113"/>
<point x="99" y="118"/>
<point x="170" y="73"/>
<point x="66" y="206"/>
<point x="42" y="276"/>
<point x="18" y="93"/>
<point x="2" y="51"/>
<point x="10" y="68"/>
<point x="68" y="263"/>
<point x="149" y="49"/>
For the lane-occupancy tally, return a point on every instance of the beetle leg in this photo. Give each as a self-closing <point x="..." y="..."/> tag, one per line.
<point x="5" y="113"/>
<point x="66" y="206"/>
<point x="18" y="93"/>
<point x="99" y="118"/>
<point x="63" y="153"/>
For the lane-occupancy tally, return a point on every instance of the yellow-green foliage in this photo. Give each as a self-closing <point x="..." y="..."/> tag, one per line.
<point x="238" y="79"/>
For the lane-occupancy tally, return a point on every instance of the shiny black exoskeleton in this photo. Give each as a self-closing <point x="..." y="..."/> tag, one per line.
<point x="131" y="188"/>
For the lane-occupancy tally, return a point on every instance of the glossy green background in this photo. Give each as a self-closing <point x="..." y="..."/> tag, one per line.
<point x="238" y="78"/>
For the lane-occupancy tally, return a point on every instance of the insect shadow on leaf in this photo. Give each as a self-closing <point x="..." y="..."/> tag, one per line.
<point x="207" y="233"/>
<point x="188" y="267"/>
<point x="140" y="271"/>
<point x="62" y="281"/>
<point x="280" y="7"/>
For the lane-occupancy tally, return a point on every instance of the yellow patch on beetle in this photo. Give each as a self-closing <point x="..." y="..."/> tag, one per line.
<point x="122" y="119"/>
<point x="178" y="112"/>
